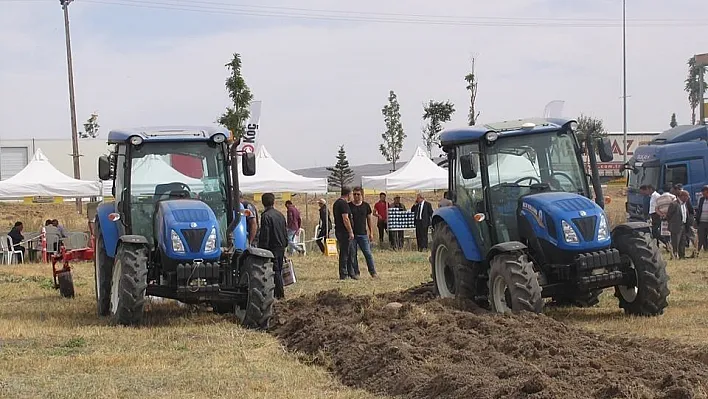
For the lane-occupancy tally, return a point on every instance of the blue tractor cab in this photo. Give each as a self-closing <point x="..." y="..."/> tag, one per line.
<point x="175" y="236"/>
<point x="524" y="225"/>
<point x="676" y="156"/>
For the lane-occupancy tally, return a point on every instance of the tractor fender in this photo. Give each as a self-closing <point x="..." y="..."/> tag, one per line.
<point x="253" y="251"/>
<point x="453" y="217"/>
<point x="133" y="239"/>
<point x="505" y="247"/>
<point x="109" y="230"/>
<point x="631" y="226"/>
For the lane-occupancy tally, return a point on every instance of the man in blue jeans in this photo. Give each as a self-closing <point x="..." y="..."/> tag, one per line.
<point x="363" y="228"/>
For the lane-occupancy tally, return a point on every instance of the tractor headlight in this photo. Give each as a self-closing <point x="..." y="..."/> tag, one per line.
<point x="136" y="140"/>
<point x="569" y="233"/>
<point x="211" y="241"/>
<point x="219" y="138"/>
<point x="177" y="244"/>
<point x="603" y="233"/>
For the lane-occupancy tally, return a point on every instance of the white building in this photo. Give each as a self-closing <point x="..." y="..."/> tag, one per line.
<point x="15" y="154"/>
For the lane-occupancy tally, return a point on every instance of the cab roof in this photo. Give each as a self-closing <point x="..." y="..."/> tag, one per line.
<point x="166" y="133"/>
<point x="682" y="133"/>
<point x="504" y="128"/>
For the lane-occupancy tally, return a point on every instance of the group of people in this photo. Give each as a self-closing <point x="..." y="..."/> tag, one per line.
<point x="18" y="239"/>
<point x="686" y="224"/>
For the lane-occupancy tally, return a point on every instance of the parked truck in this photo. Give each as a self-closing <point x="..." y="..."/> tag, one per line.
<point x="678" y="155"/>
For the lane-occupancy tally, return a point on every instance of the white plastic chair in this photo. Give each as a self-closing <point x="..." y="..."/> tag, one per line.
<point x="12" y="251"/>
<point x="76" y="240"/>
<point x="300" y="243"/>
<point x="5" y="250"/>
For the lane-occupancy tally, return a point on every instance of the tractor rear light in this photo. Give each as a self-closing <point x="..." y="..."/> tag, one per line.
<point x="569" y="233"/>
<point x="479" y="217"/>
<point x="211" y="241"/>
<point x="177" y="244"/>
<point x="114" y="217"/>
<point x="603" y="233"/>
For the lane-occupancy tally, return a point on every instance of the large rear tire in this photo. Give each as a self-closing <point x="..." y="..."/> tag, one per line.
<point x="103" y="271"/>
<point x="649" y="296"/>
<point x="453" y="275"/>
<point x="513" y="284"/>
<point x="257" y="273"/>
<point x="128" y="284"/>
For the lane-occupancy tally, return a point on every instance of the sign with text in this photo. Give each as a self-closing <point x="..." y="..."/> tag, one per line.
<point x="249" y="141"/>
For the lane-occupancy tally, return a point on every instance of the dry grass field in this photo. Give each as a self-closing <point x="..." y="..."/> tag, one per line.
<point x="54" y="347"/>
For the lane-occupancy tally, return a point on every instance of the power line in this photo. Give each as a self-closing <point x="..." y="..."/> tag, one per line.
<point x="221" y="8"/>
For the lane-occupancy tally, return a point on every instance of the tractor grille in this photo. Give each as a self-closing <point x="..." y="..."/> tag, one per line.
<point x="194" y="238"/>
<point x="586" y="225"/>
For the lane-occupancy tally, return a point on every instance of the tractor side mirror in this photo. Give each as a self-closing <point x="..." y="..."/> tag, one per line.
<point x="248" y="164"/>
<point x="104" y="168"/>
<point x="468" y="167"/>
<point x="604" y="148"/>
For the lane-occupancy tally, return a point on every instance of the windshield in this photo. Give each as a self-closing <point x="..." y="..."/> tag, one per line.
<point x="547" y="160"/>
<point x="643" y="175"/>
<point x="172" y="170"/>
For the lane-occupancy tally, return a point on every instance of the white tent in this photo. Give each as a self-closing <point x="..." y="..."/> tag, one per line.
<point x="153" y="170"/>
<point x="420" y="173"/>
<point x="41" y="178"/>
<point x="272" y="177"/>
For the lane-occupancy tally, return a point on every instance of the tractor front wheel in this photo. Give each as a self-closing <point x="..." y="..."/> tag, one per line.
<point x="129" y="284"/>
<point x="453" y="275"/>
<point x="513" y="285"/>
<point x="257" y="274"/>
<point x="648" y="297"/>
<point x="103" y="270"/>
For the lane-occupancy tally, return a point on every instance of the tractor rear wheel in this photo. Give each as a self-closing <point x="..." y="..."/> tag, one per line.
<point x="257" y="274"/>
<point x="129" y="284"/>
<point x="453" y="275"/>
<point x="66" y="284"/>
<point x="648" y="297"/>
<point x="103" y="270"/>
<point x="513" y="285"/>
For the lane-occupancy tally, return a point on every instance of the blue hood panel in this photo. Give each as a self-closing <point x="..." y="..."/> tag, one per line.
<point x="547" y="211"/>
<point x="193" y="221"/>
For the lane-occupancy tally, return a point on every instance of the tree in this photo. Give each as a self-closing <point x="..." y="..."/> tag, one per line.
<point x="592" y="126"/>
<point x="340" y="174"/>
<point x="673" y="122"/>
<point x="471" y="79"/>
<point x="693" y="87"/>
<point x="90" y="127"/>
<point x="393" y="136"/>
<point x="436" y="113"/>
<point x="236" y="116"/>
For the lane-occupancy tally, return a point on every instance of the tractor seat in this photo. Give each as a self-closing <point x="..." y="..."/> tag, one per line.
<point x="171" y="191"/>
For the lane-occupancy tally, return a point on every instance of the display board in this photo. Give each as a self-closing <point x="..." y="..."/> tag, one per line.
<point x="399" y="219"/>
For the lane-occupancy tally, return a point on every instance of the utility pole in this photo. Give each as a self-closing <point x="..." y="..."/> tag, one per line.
<point x="624" y="78"/>
<point x="72" y="101"/>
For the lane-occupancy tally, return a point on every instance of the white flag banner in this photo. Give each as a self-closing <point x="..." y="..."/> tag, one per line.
<point x="554" y="109"/>
<point x="249" y="141"/>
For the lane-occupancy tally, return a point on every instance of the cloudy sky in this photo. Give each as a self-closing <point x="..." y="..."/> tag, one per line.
<point x="323" y="69"/>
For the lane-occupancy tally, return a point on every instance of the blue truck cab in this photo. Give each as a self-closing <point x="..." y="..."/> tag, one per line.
<point x="676" y="156"/>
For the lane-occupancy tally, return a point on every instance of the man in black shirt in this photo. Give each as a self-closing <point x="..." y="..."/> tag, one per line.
<point x="363" y="227"/>
<point x="17" y="238"/>
<point x="273" y="236"/>
<point x="344" y="234"/>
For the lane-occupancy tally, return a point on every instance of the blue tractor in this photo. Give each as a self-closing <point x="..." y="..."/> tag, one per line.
<point x="524" y="227"/>
<point x="175" y="236"/>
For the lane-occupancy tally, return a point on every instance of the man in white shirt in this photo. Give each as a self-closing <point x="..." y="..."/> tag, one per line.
<point x="654" y="216"/>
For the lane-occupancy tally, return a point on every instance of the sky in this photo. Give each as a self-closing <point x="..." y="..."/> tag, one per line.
<point x="323" y="69"/>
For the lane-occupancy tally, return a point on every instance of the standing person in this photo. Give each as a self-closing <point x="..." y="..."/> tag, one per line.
<point x="273" y="237"/>
<point x="343" y="233"/>
<point x="654" y="216"/>
<point x="702" y="220"/>
<point x="381" y="214"/>
<point x="423" y="214"/>
<point x="251" y="219"/>
<point x="363" y="226"/>
<point x="445" y="201"/>
<point x="17" y="237"/>
<point x="396" y="237"/>
<point x="325" y="224"/>
<point x="677" y="215"/>
<point x="294" y="224"/>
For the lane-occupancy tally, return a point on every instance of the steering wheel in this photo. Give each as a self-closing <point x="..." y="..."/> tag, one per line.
<point x="529" y="178"/>
<point x="567" y="177"/>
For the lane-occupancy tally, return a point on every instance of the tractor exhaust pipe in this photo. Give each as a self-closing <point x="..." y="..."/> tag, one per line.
<point x="597" y="188"/>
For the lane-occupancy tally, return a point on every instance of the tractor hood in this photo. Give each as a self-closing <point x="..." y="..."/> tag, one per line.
<point x="187" y="230"/>
<point x="569" y="221"/>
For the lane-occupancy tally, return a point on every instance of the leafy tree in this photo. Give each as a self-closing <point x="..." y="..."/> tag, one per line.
<point x="592" y="126"/>
<point x="471" y="79"/>
<point x="340" y="174"/>
<point x="436" y="113"/>
<point x="393" y="136"/>
<point x="673" y="122"/>
<point x="692" y="87"/>
<point x="236" y="116"/>
<point x="90" y="127"/>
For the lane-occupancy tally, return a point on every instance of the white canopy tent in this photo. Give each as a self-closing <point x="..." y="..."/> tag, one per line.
<point x="272" y="177"/>
<point x="153" y="170"/>
<point x="41" y="178"/>
<point x="420" y="173"/>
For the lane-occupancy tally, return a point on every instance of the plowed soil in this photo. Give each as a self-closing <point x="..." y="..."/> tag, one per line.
<point x="432" y="348"/>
